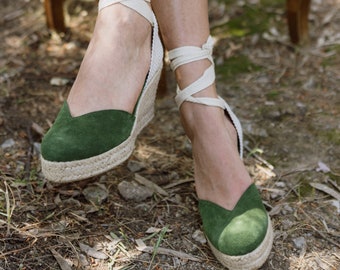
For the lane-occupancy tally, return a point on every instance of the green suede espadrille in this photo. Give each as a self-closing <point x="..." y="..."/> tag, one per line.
<point x="80" y="147"/>
<point x="241" y="238"/>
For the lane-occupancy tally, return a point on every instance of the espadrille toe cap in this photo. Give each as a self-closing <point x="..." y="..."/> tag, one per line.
<point x="89" y="135"/>
<point x="237" y="232"/>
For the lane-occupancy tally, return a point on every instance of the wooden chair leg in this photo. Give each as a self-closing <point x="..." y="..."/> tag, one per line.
<point x="297" y="16"/>
<point x="55" y="15"/>
<point x="305" y="8"/>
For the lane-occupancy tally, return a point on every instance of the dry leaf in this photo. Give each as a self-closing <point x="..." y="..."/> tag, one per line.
<point x="327" y="190"/>
<point x="92" y="252"/>
<point x="61" y="261"/>
<point x="151" y="185"/>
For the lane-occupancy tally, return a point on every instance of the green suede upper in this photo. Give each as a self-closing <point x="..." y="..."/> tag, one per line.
<point x="88" y="135"/>
<point x="239" y="231"/>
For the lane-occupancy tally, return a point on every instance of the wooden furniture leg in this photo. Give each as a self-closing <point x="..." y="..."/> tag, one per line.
<point x="297" y="17"/>
<point x="55" y="15"/>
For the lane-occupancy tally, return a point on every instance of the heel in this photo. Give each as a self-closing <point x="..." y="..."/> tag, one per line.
<point x="146" y="108"/>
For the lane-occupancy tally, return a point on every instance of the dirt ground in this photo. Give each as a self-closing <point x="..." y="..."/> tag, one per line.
<point x="286" y="97"/>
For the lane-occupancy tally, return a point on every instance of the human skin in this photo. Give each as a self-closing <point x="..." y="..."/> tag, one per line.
<point x="113" y="72"/>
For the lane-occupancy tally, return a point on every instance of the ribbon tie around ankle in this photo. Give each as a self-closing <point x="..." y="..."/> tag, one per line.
<point x="138" y="5"/>
<point x="188" y="54"/>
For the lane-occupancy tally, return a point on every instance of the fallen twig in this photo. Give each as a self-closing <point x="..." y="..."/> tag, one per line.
<point x="180" y="182"/>
<point x="265" y="162"/>
<point x="318" y="231"/>
<point x="28" y="161"/>
<point x="165" y="251"/>
<point x="3" y="255"/>
<point x="9" y="207"/>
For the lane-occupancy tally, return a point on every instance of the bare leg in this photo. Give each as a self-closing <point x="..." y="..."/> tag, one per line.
<point x="115" y="65"/>
<point x="220" y="174"/>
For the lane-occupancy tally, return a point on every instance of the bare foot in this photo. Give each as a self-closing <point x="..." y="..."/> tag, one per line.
<point x="115" y="65"/>
<point x="220" y="174"/>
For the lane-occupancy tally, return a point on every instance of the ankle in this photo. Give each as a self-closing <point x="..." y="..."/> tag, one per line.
<point x="199" y="120"/>
<point x="196" y="117"/>
<point x="189" y="73"/>
<point x="120" y="20"/>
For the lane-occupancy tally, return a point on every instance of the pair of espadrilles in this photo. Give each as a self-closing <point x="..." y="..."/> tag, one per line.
<point x="80" y="147"/>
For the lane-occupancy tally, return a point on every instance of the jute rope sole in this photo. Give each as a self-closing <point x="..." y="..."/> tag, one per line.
<point x="63" y="172"/>
<point x="250" y="261"/>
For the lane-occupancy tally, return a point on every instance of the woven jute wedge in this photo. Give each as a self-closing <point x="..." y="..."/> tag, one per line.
<point x="69" y="171"/>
